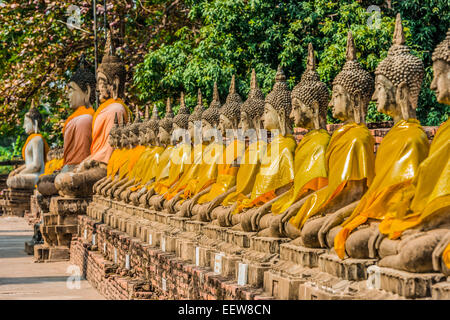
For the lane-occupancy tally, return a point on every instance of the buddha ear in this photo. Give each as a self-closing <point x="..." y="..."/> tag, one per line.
<point x="316" y="115"/>
<point x="358" y="106"/>
<point x="282" y="121"/>
<point x="115" y="93"/>
<point x="402" y="95"/>
<point x="87" y="101"/>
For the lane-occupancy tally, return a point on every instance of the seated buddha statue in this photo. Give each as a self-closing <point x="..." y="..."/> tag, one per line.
<point x="276" y="171"/>
<point x="111" y="76"/>
<point x="203" y="170"/>
<point x="34" y="152"/>
<point x="397" y="86"/>
<point x="227" y="164"/>
<point x="251" y="112"/>
<point x="181" y="164"/>
<point x="77" y="129"/>
<point x="349" y="157"/>
<point x="175" y="159"/>
<point x="158" y="165"/>
<point x="310" y="99"/>
<point x="415" y="234"/>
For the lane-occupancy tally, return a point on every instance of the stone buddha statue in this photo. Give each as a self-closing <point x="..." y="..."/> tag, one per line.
<point x="228" y="163"/>
<point x="246" y="169"/>
<point x="77" y="129"/>
<point x="111" y="76"/>
<point x="415" y="234"/>
<point x="276" y="171"/>
<point x="34" y="152"/>
<point x="349" y="157"/>
<point x="397" y="86"/>
<point x="251" y="122"/>
<point x="309" y="110"/>
<point x="182" y="162"/>
<point x="203" y="170"/>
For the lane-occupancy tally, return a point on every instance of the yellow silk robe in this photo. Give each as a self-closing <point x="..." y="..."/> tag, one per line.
<point x="163" y="168"/>
<point x="397" y="162"/>
<point x="149" y="170"/>
<point x="430" y="189"/>
<point x="206" y="173"/>
<point x="446" y="256"/>
<point x="227" y="171"/>
<point x="189" y="174"/>
<point x="247" y="172"/>
<point x="139" y="168"/>
<point x="276" y="171"/>
<point x="117" y="159"/>
<point x="349" y="157"/>
<point x="179" y="162"/>
<point x="310" y="169"/>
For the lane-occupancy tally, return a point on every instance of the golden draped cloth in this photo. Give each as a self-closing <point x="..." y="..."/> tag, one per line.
<point x="112" y="166"/>
<point x="179" y="161"/>
<point x="121" y="167"/>
<point x="446" y="256"/>
<point x="429" y="191"/>
<point x="189" y="174"/>
<point x="349" y="157"/>
<point x="247" y="172"/>
<point x="207" y="170"/>
<point x="276" y="171"/>
<point x="136" y="172"/>
<point x="401" y="151"/>
<point x="227" y="171"/>
<point x="30" y="137"/>
<point x="309" y="168"/>
<point x="163" y="168"/>
<point x="149" y="169"/>
<point x="52" y="166"/>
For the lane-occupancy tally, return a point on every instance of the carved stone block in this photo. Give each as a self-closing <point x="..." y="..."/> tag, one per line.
<point x="348" y="269"/>
<point x="306" y="257"/>
<point x="267" y="244"/>
<point x="441" y="291"/>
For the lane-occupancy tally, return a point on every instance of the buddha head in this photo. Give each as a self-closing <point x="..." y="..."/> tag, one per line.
<point x="211" y="116"/>
<point x="352" y="88"/>
<point x="196" y="115"/>
<point x="112" y="138"/>
<point x="253" y="108"/>
<point x="111" y="74"/>
<point x="153" y="127"/>
<point x="441" y="71"/>
<point x="310" y="97"/>
<point x="135" y="129"/>
<point x="277" y="106"/>
<point x="180" y="121"/>
<point x="125" y="135"/>
<point x="398" y="79"/>
<point x="166" y="125"/>
<point x="32" y="120"/>
<point x="81" y="87"/>
<point x="230" y="112"/>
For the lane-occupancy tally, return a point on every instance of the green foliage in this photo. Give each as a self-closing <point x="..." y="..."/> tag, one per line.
<point x="238" y="35"/>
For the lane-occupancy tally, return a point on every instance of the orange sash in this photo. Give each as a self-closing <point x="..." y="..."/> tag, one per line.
<point x="79" y="112"/>
<point x="30" y="137"/>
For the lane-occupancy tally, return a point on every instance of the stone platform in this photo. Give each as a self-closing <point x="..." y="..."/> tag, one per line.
<point x="15" y="202"/>
<point x="179" y="258"/>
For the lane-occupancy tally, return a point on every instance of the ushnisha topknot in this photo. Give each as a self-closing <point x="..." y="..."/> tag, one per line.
<point x="280" y="96"/>
<point x="254" y="105"/>
<point x="34" y="114"/>
<point x="310" y="88"/>
<point x="167" y="122"/>
<point x="401" y="66"/>
<point x="83" y="77"/>
<point x="182" y="117"/>
<point x="232" y="107"/>
<point x="353" y="77"/>
<point x="112" y="66"/>
<point x="212" y="114"/>
<point x="442" y="51"/>
<point x="196" y="115"/>
<point x="153" y="123"/>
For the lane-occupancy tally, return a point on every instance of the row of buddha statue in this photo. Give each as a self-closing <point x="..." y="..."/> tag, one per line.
<point x="327" y="191"/>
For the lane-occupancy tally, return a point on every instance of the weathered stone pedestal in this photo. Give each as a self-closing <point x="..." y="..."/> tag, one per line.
<point x="58" y="226"/>
<point x="16" y="201"/>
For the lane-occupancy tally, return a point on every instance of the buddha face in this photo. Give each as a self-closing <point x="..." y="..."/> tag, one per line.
<point x="151" y="136"/>
<point x="112" y="140"/>
<point x="191" y="129"/>
<point x="270" y="118"/>
<point x="106" y="89"/>
<point x="441" y="81"/>
<point x="163" y="136"/>
<point x="224" y="124"/>
<point x="245" y="122"/>
<point x="142" y="137"/>
<point x="341" y="103"/>
<point x="384" y="96"/>
<point x="28" y="125"/>
<point x="301" y="114"/>
<point x="76" y="96"/>
<point x="206" y="130"/>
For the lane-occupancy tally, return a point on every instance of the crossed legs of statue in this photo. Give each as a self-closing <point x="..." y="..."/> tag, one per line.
<point x="80" y="182"/>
